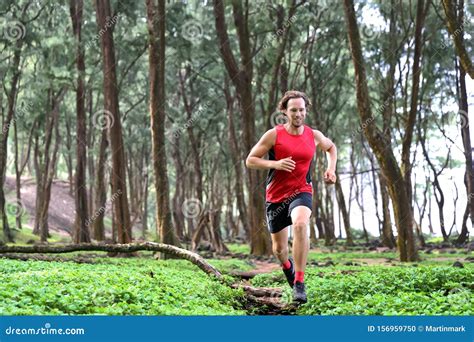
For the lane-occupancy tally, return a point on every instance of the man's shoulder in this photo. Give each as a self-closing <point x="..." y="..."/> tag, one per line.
<point x="270" y="136"/>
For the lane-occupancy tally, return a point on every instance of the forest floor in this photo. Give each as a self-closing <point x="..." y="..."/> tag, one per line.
<point x="339" y="281"/>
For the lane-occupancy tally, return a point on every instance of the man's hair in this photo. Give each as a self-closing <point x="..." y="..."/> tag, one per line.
<point x="293" y="94"/>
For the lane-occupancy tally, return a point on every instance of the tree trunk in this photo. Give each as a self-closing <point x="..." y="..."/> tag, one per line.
<point x="48" y="166"/>
<point x="466" y="138"/>
<point x="189" y="106"/>
<point x="39" y="192"/>
<point x="81" y="228"/>
<point x="463" y="236"/>
<point x="112" y="117"/>
<point x="345" y="216"/>
<point x="454" y="27"/>
<point x="236" y="156"/>
<point x="68" y="155"/>
<point x="179" y="193"/>
<point x="100" y="190"/>
<point x="17" y="176"/>
<point x="156" y="38"/>
<point x="91" y="155"/>
<point x="48" y="181"/>
<point x="382" y="148"/>
<point x="260" y="243"/>
<point x="12" y="95"/>
<point x="388" y="239"/>
<point x="145" y="207"/>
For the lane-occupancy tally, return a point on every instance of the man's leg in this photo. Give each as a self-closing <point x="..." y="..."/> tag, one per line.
<point x="280" y="250"/>
<point x="300" y="217"/>
<point x="280" y="245"/>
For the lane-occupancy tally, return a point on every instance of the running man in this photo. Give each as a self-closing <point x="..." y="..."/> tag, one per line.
<point x="291" y="148"/>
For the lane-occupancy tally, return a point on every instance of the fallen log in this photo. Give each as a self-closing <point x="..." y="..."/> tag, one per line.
<point x="181" y="253"/>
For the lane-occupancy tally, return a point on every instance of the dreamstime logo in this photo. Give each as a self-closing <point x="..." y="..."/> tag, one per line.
<point x="176" y="132"/>
<point x="24" y="108"/>
<point x="101" y="210"/>
<point x="279" y="32"/>
<point x="462" y="119"/>
<point x="109" y="22"/>
<point x="278" y="118"/>
<point x="191" y="208"/>
<point x="103" y="119"/>
<point x="363" y="126"/>
<point x="456" y="33"/>
<point x="15" y="208"/>
<point x="14" y="30"/>
<point x="279" y="296"/>
<point x="192" y="31"/>
<point x="369" y="33"/>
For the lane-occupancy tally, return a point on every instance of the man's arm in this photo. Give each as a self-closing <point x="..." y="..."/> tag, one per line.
<point x="328" y="146"/>
<point x="255" y="158"/>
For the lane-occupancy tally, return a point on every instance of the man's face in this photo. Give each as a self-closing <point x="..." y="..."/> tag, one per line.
<point x="296" y="112"/>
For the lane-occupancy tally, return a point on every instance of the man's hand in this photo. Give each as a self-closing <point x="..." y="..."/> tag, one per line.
<point x="286" y="164"/>
<point x="329" y="176"/>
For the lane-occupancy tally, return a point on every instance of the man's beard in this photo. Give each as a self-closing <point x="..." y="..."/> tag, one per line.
<point x="297" y="123"/>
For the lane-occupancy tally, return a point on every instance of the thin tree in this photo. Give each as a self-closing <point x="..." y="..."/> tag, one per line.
<point x="156" y="40"/>
<point x="111" y="114"/>
<point x="81" y="229"/>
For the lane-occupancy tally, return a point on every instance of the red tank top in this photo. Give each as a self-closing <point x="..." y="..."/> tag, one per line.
<point x="282" y="185"/>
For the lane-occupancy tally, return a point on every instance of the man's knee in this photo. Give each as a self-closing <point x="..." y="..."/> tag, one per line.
<point x="279" y="249"/>
<point x="300" y="226"/>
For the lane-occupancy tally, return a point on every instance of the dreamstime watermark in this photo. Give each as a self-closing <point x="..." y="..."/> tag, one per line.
<point x="191" y="208"/>
<point x="101" y="210"/>
<point x="46" y="330"/>
<point x="281" y="296"/>
<point x="282" y="206"/>
<point x="175" y="133"/>
<point x="192" y="31"/>
<point x="19" y="112"/>
<point x="279" y="32"/>
<point x="14" y="30"/>
<point x="109" y="22"/>
<point x="15" y="208"/>
<point x="363" y="126"/>
<point x="380" y="110"/>
<point x="278" y="118"/>
<point x="369" y="33"/>
<point x="103" y="119"/>
<point x="462" y="119"/>
<point x="456" y="33"/>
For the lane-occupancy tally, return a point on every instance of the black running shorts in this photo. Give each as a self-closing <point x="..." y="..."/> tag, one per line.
<point x="279" y="214"/>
